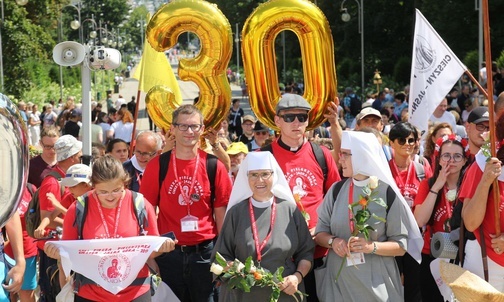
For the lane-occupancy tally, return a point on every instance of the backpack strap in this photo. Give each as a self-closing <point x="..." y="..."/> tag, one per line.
<point x="419" y="169"/>
<point x="58" y="177"/>
<point x="140" y="212"/>
<point x="80" y="213"/>
<point x="391" y="195"/>
<point x="211" y="167"/>
<point x="30" y="187"/>
<point x="321" y="160"/>
<point x="164" y="160"/>
<point x="268" y="148"/>
<point x="337" y="189"/>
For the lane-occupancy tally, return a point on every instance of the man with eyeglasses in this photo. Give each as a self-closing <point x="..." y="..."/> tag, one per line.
<point x="197" y="218"/>
<point x="477" y="124"/>
<point x="147" y="145"/>
<point x="68" y="153"/>
<point x="440" y="115"/>
<point x="42" y="164"/>
<point x="297" y="158"/>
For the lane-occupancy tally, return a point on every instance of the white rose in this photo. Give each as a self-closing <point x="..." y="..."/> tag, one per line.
<point x="451" y="195"/>
<point x="240" y="267"/>
<point x="373" y="182"/>
<point x="253" y="269"/>
<point x="216" y="269"/>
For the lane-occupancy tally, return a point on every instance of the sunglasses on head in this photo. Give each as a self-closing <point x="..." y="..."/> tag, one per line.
<point x="290" y="117"/>
<point x="401" y="141"/>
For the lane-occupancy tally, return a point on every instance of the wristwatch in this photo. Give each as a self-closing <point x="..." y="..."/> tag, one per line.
<point x="330" y="241"/>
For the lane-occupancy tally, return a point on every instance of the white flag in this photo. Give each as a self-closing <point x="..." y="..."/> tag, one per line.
<point x="434" y="71"/>
<point x="111" y="263"/>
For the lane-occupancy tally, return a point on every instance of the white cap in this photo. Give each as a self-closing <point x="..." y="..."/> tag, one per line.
<point x="76" y="174"/>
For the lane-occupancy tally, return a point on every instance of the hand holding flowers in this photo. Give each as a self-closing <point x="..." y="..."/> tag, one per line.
<point x="246" y="275"/>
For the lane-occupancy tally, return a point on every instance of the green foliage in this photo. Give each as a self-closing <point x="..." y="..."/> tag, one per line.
<point x="500" y="60"/>
<point x="471" y="62"/>
<point x="402" y="70"/>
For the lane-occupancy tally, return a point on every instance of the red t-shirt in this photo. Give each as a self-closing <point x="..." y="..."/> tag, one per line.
<point x="407" y="180"/>
<point x="441" y="214"/>
<point x="29" y="247"/>
<point x="94" y="229"/>
<point x="471" y="180"/>
<point x="52" y="185"/>
<point x="306" y="179"/>
<point x="172" y="207"/>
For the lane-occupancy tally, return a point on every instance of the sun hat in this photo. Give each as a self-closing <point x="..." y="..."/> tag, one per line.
<point x="237" y="147"/>
<point x="67" y="146"/>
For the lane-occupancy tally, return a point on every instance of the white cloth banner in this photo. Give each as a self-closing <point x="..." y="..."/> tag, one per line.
<point x="434" y="71"/>
<point x="111" y="263"/>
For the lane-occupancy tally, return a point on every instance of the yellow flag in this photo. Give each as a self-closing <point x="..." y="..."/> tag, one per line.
<point x="154" y="69"/>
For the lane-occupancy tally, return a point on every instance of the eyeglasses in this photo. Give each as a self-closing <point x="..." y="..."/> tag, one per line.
<point x="401" y="141"/>
<point x="248" y="124"/>
<point x="47" y="147"/>
<point x="289" y="118"/>
<point x="481" y="127"/>
<point x="114" y="193"/>
<point x="457" y="157"/>
<point x="344" y="155"/>
<point x="262" y="175"/>
<point x="185" y="127"/>
<point x="261" y="132"/>
<point x="145" y="154"/>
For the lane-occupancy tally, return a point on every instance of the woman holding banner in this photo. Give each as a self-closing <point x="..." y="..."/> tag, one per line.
<point x="111" y="213"/>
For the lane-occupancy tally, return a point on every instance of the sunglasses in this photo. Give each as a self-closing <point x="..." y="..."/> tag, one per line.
<point x="261" y="132"/>
<point x="289" y="118"/>
<point x="401" y="141"/>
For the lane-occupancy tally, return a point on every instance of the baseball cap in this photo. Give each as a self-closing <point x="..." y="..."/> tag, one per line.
<point x="249" y="117"/>
<point x="367" y="112"/>
<point x="75" y="112"/>
<point x="237" y="147"/>
<point x="76" y="174"/>
<point x="292" y="101"/>
<point x="478" y="115"/>
<point x="67" y="146"/>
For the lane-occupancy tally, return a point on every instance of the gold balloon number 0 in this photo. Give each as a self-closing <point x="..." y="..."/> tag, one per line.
<point x="208" y="69"/>
<point x="310" y="25"/>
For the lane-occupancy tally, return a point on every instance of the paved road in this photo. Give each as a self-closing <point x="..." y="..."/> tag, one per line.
<point x="189" y="91"/>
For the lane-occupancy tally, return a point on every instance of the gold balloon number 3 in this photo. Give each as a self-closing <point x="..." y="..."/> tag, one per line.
<point x="310" y="25"/>
<point x="208" y="69"/>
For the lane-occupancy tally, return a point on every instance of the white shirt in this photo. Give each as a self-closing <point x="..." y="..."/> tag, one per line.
<point x="119" y="102"/>
<point x="447" y="117"/>
<point x="122" y="131"/>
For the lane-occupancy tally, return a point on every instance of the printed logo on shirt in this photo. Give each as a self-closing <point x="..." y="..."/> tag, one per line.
<point x="114" y="269"/>
<point x="186" y="182"/>
<point x="300" y="180"/>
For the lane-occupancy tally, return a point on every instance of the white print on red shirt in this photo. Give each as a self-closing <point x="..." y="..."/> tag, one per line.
<point x="301" y="178"/>
<point x="186" y="182"/>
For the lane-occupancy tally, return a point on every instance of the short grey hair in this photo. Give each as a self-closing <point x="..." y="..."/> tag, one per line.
<point x="153" y="135"/>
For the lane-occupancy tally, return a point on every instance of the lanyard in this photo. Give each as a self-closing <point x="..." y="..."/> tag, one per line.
<point x="139" y="178"/>
<point x="350" y="213"/>
<point x="104" y="222"/>
<point x="258" y="247"/>
<point x="185" y="196"/>
<point x="399" y="180"/>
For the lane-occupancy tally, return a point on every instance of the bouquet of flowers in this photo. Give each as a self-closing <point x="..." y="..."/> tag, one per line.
<point x="360" y="217"/>
<point x="245" y="275"/>
<point x="297" y="198"/>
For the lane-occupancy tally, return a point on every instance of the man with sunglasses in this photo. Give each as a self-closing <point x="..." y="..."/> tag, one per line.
<point x="477" y="124"/>
<point x="261" y="133"/>
<point x="147" y="146"/>
<point x="298" y="160"/>
<point x="191" y="214"/>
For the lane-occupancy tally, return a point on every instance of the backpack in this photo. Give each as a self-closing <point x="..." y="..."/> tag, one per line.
<point x="319" y="156"/>
<point x="211" y="168"/>
<point x="32" y="215"/>
<point x="138" y="203"/>
<point x="391" y="195"/>
<point x="355" y="105"/>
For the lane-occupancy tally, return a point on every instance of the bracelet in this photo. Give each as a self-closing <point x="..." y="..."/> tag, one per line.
<point x="433" y="192"/>
<point x="374" y="248"/>
<point x="215" y="146"/>
<point x="302" y="277"/>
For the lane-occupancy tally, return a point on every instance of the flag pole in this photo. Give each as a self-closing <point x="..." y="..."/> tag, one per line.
<point x="488" y="58"/>
<point x="473" y="79"/>
<point x="135" y="119"/>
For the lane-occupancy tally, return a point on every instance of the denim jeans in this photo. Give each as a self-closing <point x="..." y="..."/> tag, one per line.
<point x="188" y="274"/>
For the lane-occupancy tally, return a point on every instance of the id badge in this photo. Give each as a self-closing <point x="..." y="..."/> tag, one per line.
<point x="189" y="223"/>
<point x="355" y="259"/>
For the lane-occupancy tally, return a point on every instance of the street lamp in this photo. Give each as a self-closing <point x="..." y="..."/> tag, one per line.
<point x="377" y="80"/>
<point x="141" y="24"/>
<point x="18" y="2"/>
<point x="345" y="17"/>
<point x="237" y="41"/>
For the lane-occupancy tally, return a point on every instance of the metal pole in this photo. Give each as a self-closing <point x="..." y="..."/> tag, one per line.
<point x="361" y="21"/>
<point x="237" y="40"/>
<point x="1" y="49"/>
<point x="86" y="112"/>
<point x="60" y="37"/>
<point x="81" y="30"/>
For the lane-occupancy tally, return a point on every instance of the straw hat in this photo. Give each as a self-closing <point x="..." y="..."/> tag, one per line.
<point x="467" y="286"/>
